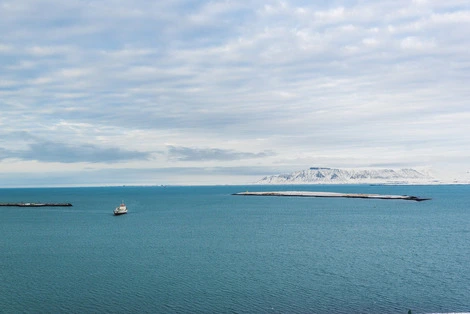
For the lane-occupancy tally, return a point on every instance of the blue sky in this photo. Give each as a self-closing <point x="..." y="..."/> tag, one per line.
<point x="225" y="92"/>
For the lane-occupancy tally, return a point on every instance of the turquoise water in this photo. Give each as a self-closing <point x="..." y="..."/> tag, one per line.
<point x="203" y="250"/>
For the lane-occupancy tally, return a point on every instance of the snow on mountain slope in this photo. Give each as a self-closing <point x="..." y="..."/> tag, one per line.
<point x="317" y="175"/>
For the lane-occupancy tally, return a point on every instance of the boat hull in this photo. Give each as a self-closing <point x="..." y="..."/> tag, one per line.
<point x="120" y="210"/>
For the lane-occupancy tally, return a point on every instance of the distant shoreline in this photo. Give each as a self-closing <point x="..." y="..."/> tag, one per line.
<point x="234" y="184"/>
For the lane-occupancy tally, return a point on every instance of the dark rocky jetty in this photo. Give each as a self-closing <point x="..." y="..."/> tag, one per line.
<point x="36" y="204"/>
<point x="333" y="194"/>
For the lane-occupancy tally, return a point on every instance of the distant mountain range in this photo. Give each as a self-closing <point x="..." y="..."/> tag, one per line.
<point x="317" y="175"/>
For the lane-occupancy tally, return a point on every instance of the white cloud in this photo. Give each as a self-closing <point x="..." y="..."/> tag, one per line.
<point x="48" y="50"/>
<point x="451" y="17"/>
<point x="5" y="48"/>
<point x="414" y="43"/>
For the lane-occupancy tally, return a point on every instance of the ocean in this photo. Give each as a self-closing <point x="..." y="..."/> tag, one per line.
<point x="184" y="249"/>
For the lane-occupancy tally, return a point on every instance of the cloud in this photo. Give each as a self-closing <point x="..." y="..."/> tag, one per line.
<point x="413" y="43"/>
<point x="46" y="151"/>
<point x="210" y="154"/>
<point x="227" y="82"/>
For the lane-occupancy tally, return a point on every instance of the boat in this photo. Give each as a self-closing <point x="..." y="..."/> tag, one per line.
<point x="121" y="209"/>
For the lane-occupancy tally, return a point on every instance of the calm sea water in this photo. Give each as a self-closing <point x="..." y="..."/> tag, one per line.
<point x="203" y="250"/>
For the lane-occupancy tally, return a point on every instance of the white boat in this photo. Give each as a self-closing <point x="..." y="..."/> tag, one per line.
<point x="121" y="209"/>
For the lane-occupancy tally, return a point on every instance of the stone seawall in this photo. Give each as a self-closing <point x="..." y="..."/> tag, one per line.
<point x="36" y="204"/>
<point x="333" y="194"/>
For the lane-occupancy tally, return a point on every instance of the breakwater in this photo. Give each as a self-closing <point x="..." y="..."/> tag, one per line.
<point x="36" y="204"/>
<point x="333" y="194"/>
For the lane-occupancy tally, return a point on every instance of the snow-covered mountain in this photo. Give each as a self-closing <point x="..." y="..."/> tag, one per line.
<point x="316" y="175"/>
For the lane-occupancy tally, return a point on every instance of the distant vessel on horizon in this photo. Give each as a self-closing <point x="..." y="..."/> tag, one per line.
<point x="121" y="209"/>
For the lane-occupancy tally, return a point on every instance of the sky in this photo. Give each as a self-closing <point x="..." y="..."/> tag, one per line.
<point x="226" y="92"/>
